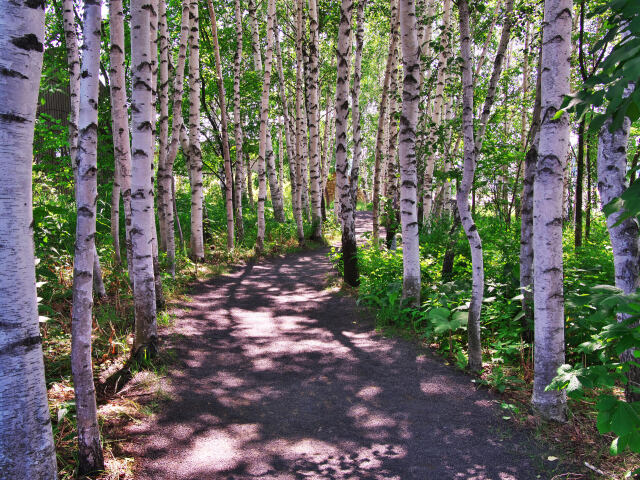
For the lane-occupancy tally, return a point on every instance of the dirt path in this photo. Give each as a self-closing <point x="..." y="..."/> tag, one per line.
<point x="279" y="378"/>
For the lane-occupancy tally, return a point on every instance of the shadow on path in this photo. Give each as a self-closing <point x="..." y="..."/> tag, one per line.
<point x="280" y="378"/>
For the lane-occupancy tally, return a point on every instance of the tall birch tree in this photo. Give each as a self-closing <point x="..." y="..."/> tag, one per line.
<point x="355" y="105"/>
<point x="26" y="439"/>
<point x="90" y="456"/>
<point x="548" y="296"/>
<point x="237" y="65"/>
<point x="407" y="153"/>
<point x="264" y="125"/>
<point x="144" y="293"/>
<point x="343" y="184"/>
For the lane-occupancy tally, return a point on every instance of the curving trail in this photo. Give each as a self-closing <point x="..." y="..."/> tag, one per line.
<point x="281" y="378"/>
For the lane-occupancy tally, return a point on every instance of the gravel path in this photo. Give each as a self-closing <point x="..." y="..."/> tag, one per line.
<point x="281" y="378"/>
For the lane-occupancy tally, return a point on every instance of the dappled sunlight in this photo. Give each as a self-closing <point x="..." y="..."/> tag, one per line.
<point x="281" y="379"/>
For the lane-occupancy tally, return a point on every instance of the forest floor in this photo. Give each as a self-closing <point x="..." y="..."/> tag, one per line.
<point x="276" y="373"/>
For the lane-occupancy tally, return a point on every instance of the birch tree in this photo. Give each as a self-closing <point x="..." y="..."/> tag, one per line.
<point x="382" y="119"/>
<point x="224" y="130"/>
<point x="144" y="294"/>
<point x="313" y="114"/>
<point x="343" y="184"/>
<point x="195" y="153"/>
<point x="26" y="438"/>
<point x="548" y="294"/>
<point x="237" y="64"/>
<point x="90" y="457"/>
<point x="264" y="118"/>
<point x="299" y="131"/>
<point x="407" y="154"/>
<point x="165" y="172"/>
<point x="612" y="182"/>
<point x="355" y="105"/>
<point x="164" y="193"/>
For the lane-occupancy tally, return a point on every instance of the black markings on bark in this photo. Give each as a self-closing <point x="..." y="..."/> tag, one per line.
<point x="28" y="42"/>
<point x="26" y="343"/>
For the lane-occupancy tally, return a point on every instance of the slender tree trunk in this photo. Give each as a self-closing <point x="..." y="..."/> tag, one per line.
<point x="612" y="168"/>
<point x="445" y="53"/>
<point x="250" y="182"/>
<point x="407" y="154"/>
<point x="164" y="190"/>
<point x="349" y="257"/>
<point x="299" y="124"/>
<point x="26" y="439"/>
<point x="237" y="72"/>
<point x="314" y="119"/>
<point x="526" y="215"/>
<point x="579" y="183"/>
<point x="355" y="105"/>
<point x="90" y="457"/>
<point x="277" y="202"/>
<point x="175" y="212"/>
<point x="225" y="130"/>
<point x="166" y="174"/>
<point x="587" y="216"/>
<point x="115" y="216"/>
<point x="462" y="198"/>
<point x="289" y="138"/>
<point x="144" y="299"/>
<point x="195" y="153"/>
<point x="264" y="125"/>
<point x="73" y="61"/>
<point x="547" y="211"/>
<point x="485" y="46"/>
<point x="391" y="209"/>
<point x="280" y="161"/>
<point x="382" y="120"/>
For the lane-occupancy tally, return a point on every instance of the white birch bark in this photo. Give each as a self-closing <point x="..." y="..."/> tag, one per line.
<point x="382" y="120"/>
<point x="436" y="118"/>
<point x="355" y="105"/>
<point x="313" y="117"/>
<point x="26" y="439"/>
<point x="299" y="134"/>
<point x="195" y="153"/>
<point x="224" y="127"/>
<point x="164" y="191"/>
<point x="462" y="198"/>
<point x="612" y="168"/>
<point x="290" y="138"/>
<point x="547" y="210"/>
<point x="237" y="65"/>
<point x="391" y="209"/>
<point x="343" y="185"/>
<point x="73" y="62"/>
<point x="120" y="118"/>
<point x="264" y="125"/>
<point x="280" y="160"/>
<point x="165" y="172"/>
<point x="144" y="293"/>
<point x="407" y="154"/>
<point x="277" y="201"/>
<point x="90" y="457"/>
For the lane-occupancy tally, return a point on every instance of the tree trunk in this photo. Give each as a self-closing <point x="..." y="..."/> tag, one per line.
<point x="313" y="115"/>
<point x="165" y="172"/>
<point x="264" y="125"/>
<point x="299" y="125"/>
<point x="407" y="154"/>
<point x="289" y="139"/>
<point x="164" y="190"/>
<point x="462" y="197"/>
<point x="144" y="294"/>
<point x="612" y="169"/>
<point x="547" y="211"/>
<point x="587" y="216"/>
<point x="349" y="256"/>
<point x="26" y="439"/>
<point x="195" y="153"/>
<point x="90" y="457"/>
<point x="237" y="65"/>
<point x="579" y="183"/>
<point x="73" y="61"/>
<point x="355" y="105"/>
<point x="391" y="208"/>
<point x="526" y="215"/>
<point x="225" y="130"/>
<point x="277" y="202"/>
<point x="382" y="119"/>
<point x="436" y="117"/>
